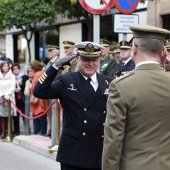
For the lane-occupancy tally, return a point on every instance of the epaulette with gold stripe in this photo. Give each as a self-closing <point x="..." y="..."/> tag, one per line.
<point x="42" y="78"/>
<point x="127" y="74"/>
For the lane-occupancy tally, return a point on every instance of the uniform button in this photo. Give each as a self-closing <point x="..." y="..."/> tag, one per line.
<point x="103" y="124"/>
<point x="85" y="109"/>
<point x="102" y="136"/>
<point x="104" y="112"/>
<point x="84" y="134"/>
<point x="85" y="121"/>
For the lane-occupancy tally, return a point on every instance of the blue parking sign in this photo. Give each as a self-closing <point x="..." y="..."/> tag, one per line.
<point x="126" y="6"/>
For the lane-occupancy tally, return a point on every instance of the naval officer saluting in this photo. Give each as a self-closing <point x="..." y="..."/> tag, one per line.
<point x="83" y="98"/>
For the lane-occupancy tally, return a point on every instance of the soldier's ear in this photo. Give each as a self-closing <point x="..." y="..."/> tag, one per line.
<point x="164" y="52"/>
<point x="132" y="53"/>
<point x="77" y="59"/>
<point x="134" y="49"/>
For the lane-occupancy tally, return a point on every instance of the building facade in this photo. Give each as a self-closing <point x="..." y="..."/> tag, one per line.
<point x="65" y="29"/>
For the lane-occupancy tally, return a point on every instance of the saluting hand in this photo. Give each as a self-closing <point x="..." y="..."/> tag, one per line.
<point x="165" y="60"/>
<point x="64" y="61"/>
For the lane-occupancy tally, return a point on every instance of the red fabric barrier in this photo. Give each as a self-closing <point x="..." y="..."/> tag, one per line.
<point x="0" y="127"/>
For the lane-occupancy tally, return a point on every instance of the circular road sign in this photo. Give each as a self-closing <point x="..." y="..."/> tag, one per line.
<point x="126" y="6"/>
<point x="97" y="6"/>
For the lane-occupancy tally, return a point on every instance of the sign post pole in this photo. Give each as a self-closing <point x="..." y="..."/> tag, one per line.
<point x="125" y="36"/>
<point x="98" y="7"/>
<point x="96" y="28"/>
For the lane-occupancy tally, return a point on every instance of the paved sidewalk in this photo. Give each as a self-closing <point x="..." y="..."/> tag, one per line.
<point x="37" y="143"/>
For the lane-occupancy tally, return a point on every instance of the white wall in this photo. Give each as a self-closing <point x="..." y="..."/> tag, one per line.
<point x="72" y="32"/>
<point x="2" y="44"/>
<point x="9" y="46"/>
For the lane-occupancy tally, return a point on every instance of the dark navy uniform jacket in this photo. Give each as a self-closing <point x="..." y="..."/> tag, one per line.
<point x="129" y="66"/>
<point x="81" y="141"/>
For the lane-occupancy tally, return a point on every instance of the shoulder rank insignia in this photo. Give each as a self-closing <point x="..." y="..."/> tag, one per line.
<point x="124" y="76"/>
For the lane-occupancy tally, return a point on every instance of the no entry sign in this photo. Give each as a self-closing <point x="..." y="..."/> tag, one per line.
<point x="97" y="6"/>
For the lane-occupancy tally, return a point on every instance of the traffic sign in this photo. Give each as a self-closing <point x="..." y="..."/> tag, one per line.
<point x="126" y="6"/>
<point x="97" y="6"/>
<point x="122" y="22"/>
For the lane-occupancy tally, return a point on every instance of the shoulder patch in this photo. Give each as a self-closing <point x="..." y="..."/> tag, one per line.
<point x="127" y="74"/>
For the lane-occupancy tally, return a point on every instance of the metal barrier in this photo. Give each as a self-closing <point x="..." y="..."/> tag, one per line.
<point x="9" y="135"/>
<point x="55" y="120"/>
<point x="27" y="113"/>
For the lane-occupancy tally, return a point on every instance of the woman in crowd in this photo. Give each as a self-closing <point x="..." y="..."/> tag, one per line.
<point x="37" y="106"/>
<point x="20" y="80"/>
<point x="7" y="87"/>
<point x="28" y="83"/>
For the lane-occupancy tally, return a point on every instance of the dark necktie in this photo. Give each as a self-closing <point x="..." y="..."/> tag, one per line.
<point x="89" y="80"/>
<point x="120" y="67"/>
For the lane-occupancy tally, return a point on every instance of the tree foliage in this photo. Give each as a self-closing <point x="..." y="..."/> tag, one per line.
<point x="25" y="14"/>
<point x="73" y="10"/>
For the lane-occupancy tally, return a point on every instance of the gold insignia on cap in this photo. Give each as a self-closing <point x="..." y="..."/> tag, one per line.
<point x="167" y="42"/>
<point x="89" y="48"/>
<point x="101" y="42"/>
<point x="123" y="43"/>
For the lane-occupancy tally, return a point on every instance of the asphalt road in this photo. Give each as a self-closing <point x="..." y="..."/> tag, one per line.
<point x="14" y="157"/>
